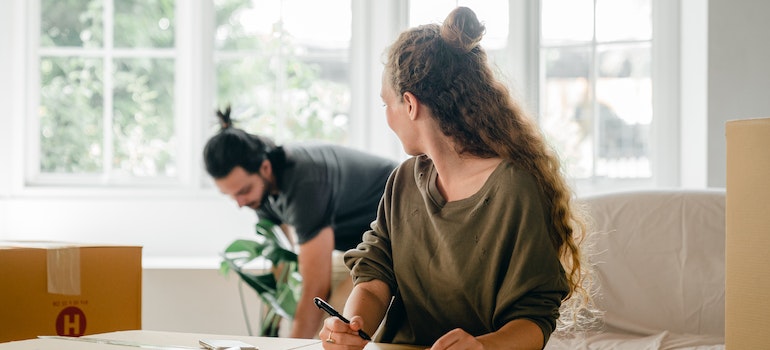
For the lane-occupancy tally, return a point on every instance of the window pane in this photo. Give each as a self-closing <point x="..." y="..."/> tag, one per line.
<point x="248" y="84"/>
<point x="566" y="21"/>
<point x="567" y="117"/>
<point x="435" y="11"/>
<point x="309" y="24"/>
<point x="246" y="24"/>
<point x="318" y="109"/>
<point x="144" y="23"/>
<point x="144" y="118"/>
<point x="623" y="20"/>
<point x="72" y="23"/>
<point x="598" y="109"/>
<point x="492" y="13"/>
<point x="71" y="115"/>
<point x="317" y="88"/>
<point x="624" y="99"/>
<point x="287" y="75"/>
<point x="309" y="107"/>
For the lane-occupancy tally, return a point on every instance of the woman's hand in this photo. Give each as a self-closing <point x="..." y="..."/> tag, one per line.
<point x="457" y="339"/>
<point x="340" y="335"/>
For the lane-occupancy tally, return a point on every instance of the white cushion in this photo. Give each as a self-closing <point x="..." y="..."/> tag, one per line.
<point x="619" y="341"/>
<point x="659" y="259"/>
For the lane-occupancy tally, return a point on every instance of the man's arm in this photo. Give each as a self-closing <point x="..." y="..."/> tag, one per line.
<point x="315" y="266"/>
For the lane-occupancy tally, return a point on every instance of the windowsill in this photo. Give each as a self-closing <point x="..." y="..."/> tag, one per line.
<point x="181" y="263"/>
<point x="114" y="192"/>
<point x="192" y="263"/>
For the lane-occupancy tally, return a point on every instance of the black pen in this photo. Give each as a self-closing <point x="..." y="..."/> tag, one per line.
<point x="330" y="310"/>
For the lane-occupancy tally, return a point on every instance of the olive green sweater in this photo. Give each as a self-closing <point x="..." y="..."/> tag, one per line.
<point x="476" y="263"/>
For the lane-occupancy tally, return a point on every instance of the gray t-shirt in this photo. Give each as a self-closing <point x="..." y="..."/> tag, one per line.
<point x="328" y="185"/>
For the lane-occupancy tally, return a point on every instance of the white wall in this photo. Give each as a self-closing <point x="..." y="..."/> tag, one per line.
<point x="7" y="96"/>
<point x="693" y="121"/>
<point x="738" y="72"/>
<point x="196" y="300"/>
<point x="166" y="226"/>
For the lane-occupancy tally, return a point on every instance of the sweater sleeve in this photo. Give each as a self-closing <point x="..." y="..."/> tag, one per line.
<point x="535" y="282"/>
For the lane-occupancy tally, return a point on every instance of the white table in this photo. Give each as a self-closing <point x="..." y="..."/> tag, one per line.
<point x="144" y="339"/>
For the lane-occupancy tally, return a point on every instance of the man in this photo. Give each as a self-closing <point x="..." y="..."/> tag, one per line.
<point x="326" y="194"/>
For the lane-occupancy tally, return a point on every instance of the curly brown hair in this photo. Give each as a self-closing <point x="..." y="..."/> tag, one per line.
<point x="446" y="69"/>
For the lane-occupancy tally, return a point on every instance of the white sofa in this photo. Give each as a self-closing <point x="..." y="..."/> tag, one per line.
<point x="659" y="270"/>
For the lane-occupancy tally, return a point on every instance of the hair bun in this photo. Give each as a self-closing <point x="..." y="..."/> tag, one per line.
<point x="462" y="30"/>
<point x="224" y="118"/>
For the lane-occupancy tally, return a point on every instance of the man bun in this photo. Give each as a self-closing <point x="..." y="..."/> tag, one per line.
<point x="225" y="121"/>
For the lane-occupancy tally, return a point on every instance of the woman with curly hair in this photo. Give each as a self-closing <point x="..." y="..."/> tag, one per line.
<point x="476" y="242"/>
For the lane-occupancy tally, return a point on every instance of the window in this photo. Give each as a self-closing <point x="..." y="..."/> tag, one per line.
<point x="111" y="80"/>
<point x="106" y="86"/>
<point x="493" y="13"/>
<point x="596" y="85"/>
<point x="105" y="93"/>
<point x="587" y="74"/>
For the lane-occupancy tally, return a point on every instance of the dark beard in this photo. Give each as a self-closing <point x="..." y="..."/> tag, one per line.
<point x="269" y="188"/>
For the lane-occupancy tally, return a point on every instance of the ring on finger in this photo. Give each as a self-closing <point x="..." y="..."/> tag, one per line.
<point x="329" y="339"/>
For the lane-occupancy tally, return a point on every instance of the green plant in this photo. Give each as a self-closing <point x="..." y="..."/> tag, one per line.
<point x="278" y="286"/>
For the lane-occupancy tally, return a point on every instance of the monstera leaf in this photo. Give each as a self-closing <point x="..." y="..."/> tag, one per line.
<point x="279" y="286"/>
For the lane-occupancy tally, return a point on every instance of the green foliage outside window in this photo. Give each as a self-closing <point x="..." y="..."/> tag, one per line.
<point x="274" y="85"/>
<point x="74" y="89"/>
<point x="70" y="115"/>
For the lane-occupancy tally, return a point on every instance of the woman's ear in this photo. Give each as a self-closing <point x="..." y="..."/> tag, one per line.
<point x="412" y="105"/>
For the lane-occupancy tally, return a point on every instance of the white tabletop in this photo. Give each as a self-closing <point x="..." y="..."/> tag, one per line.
<point x="144" y="339"/>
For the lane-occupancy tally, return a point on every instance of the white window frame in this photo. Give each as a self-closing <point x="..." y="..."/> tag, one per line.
<point x="192" y="56"/>
<point x="372" y="33"/>
<point x="188" y="62"/>
<point x="664" y="129"/>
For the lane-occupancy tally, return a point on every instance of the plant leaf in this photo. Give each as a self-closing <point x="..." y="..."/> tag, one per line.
<point x="270" y="324"/>
<point x="276" y="255"/>
<point x="224" y="267"/>
<point x="279" y="295"/>
<point x="253" y="248"/>
<point x="273" y="233"/>
<point x="260" y="283"/>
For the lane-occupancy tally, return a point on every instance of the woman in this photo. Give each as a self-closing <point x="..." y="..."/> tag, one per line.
<point x="475" y="237"/>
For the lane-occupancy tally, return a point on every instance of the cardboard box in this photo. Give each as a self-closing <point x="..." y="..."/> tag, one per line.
<point x="747" y="241"/>
<point x="55" y="288"/>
